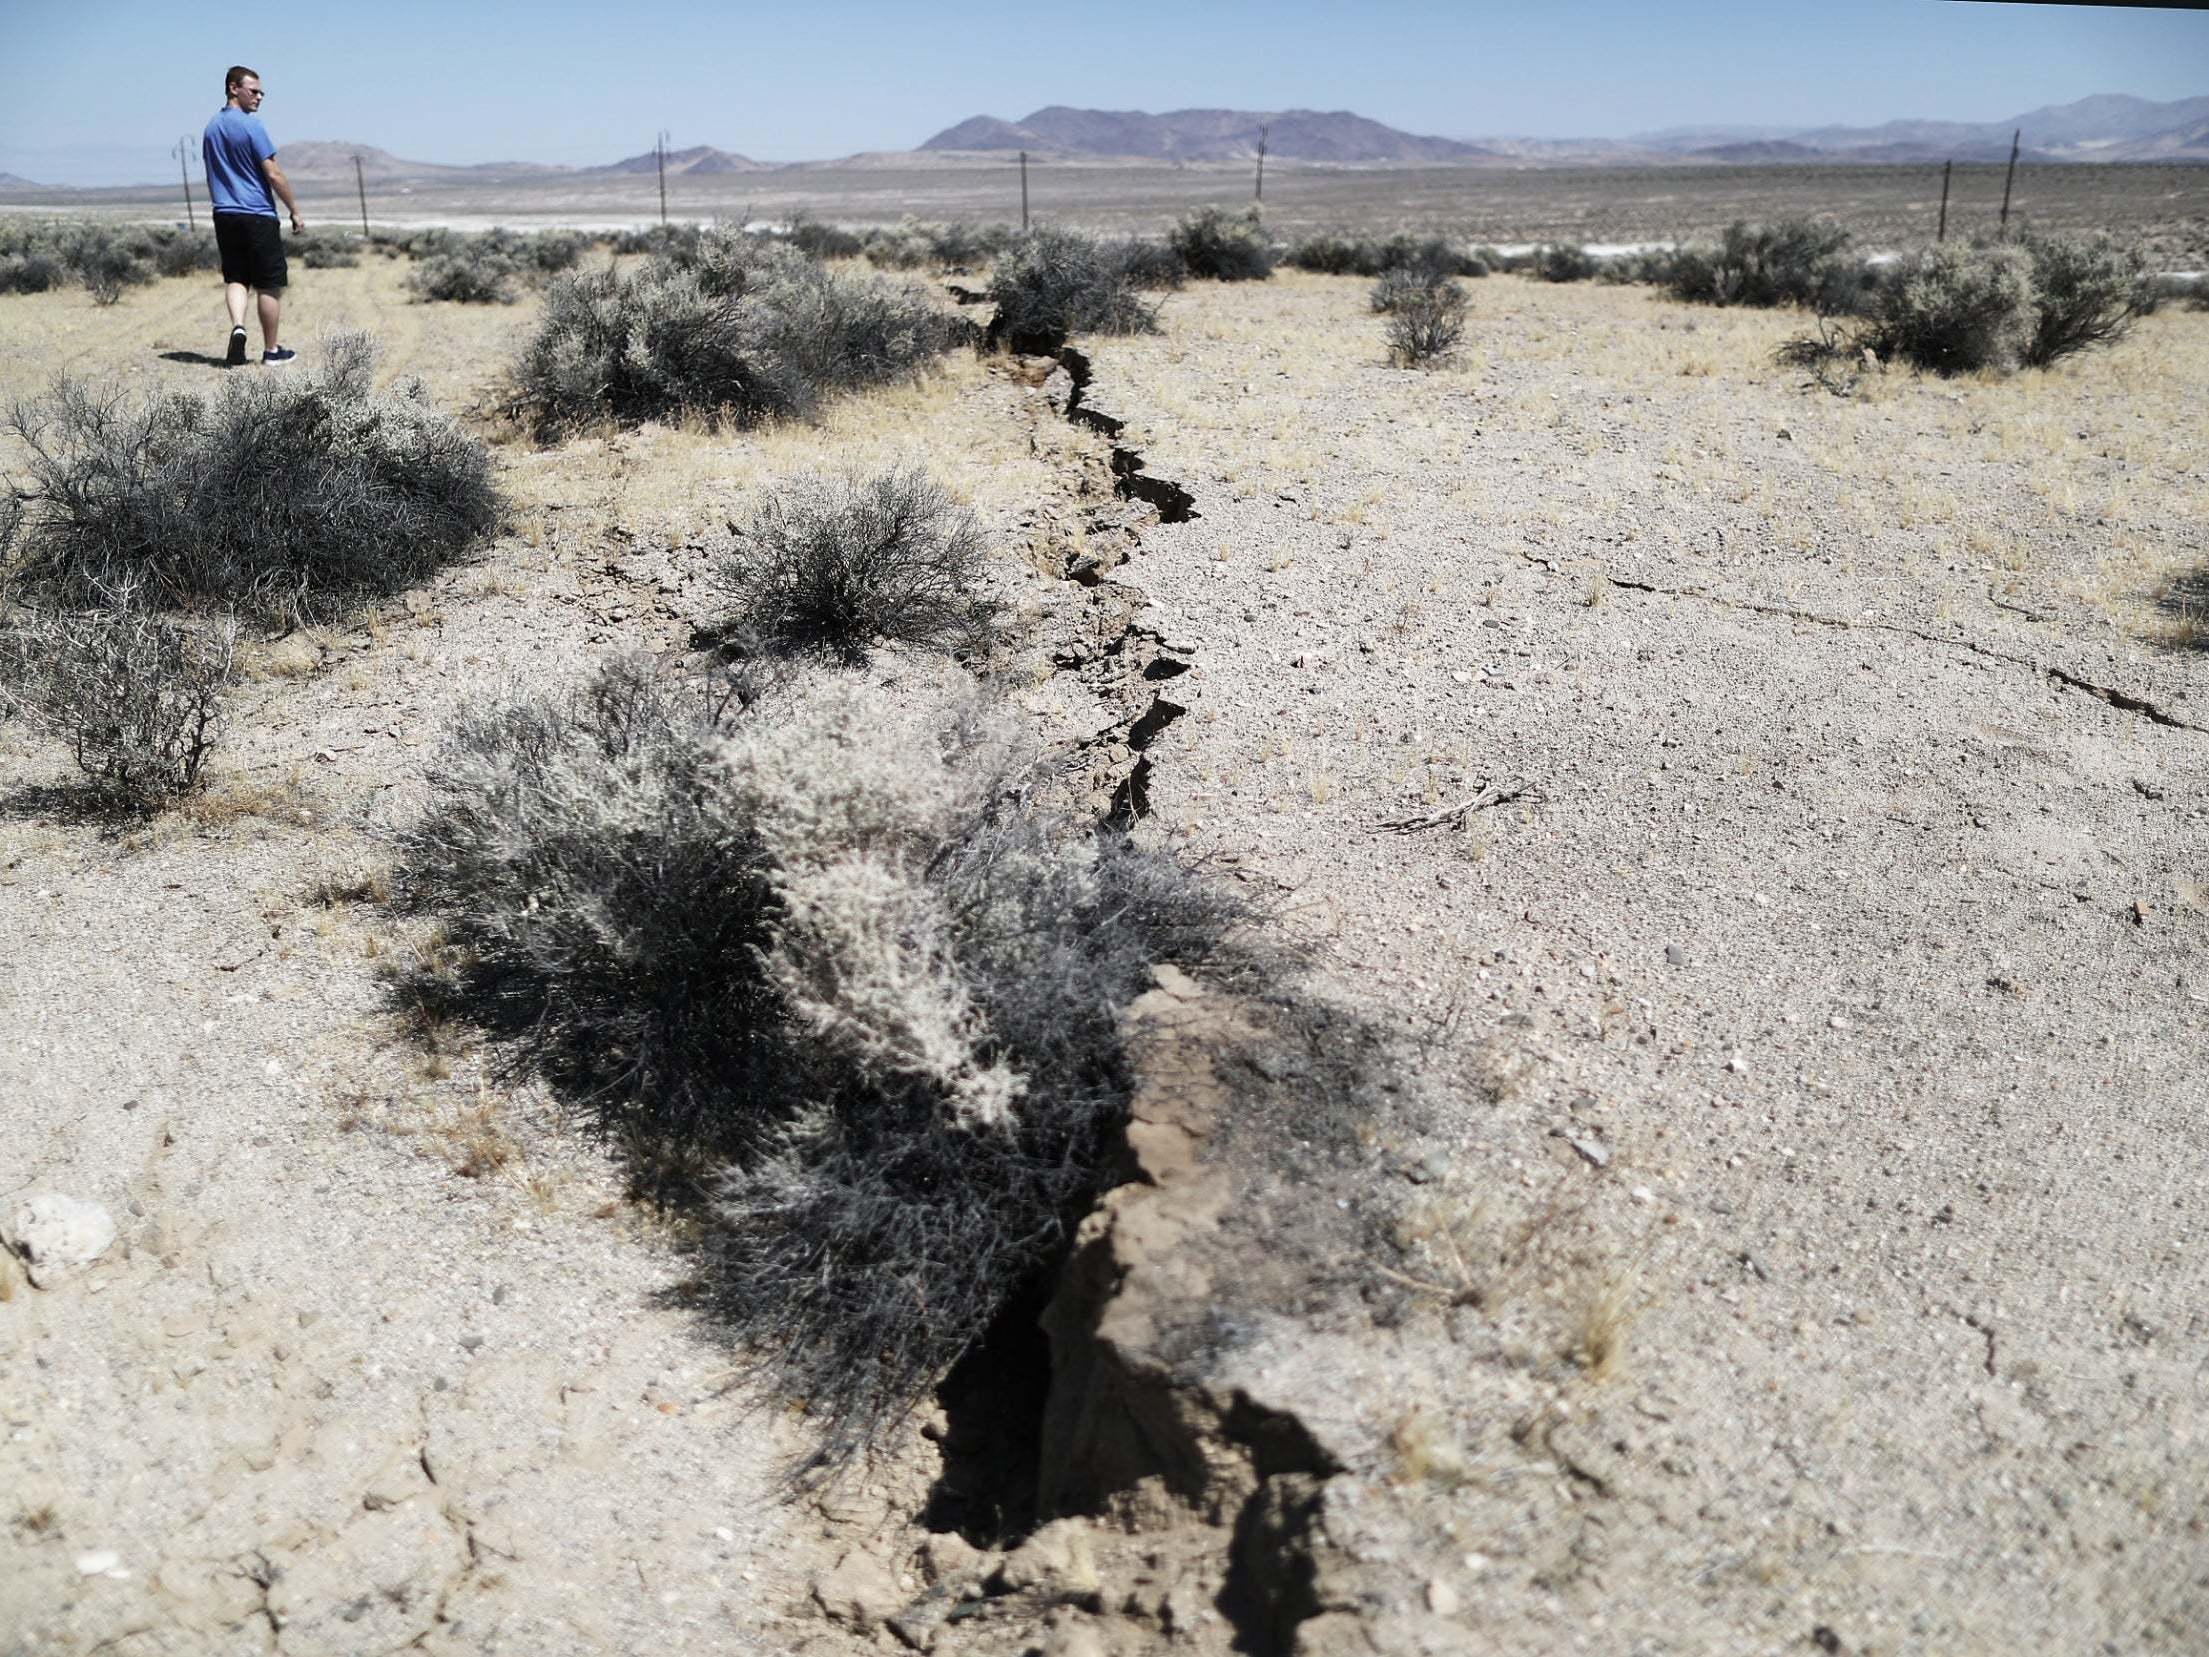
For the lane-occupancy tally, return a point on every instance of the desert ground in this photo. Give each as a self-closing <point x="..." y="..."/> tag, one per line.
<point x="2164" y="207"/>
<point x="1755" y="835"/>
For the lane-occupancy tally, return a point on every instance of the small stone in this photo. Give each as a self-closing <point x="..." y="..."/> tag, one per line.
<point x="1837" y="1022"/>
<point x="948" y="1557"/>
<point x="1594" y="1150"/>
<point x="98" y="1562"/>
<point x="859" y="1592"/>
<point x="1442" y="1599"/>
<point x="1737" y="1064"/>
<point x="1675" y="956"/>
<point x="55" y="1234"/>
<point x="1055" y="1562"/>
<point x="1642" y="1193"/>
<point x="1075" y="1639"/>
<point x="471" y="1343"/>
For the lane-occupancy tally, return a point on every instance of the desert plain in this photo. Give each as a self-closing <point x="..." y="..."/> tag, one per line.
<point x="1750" y="839"/>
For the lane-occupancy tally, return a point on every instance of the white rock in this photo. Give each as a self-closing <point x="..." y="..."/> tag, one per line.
<point x="98" y="1563"/>
<point x="55" y="1234"/>
<point x="1442" y="1599"/>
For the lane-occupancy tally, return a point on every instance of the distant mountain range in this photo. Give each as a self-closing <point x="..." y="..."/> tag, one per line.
<point x="1310" y="135"/>
<point x="2106" y="127"/>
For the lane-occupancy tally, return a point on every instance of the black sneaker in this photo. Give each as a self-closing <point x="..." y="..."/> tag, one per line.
<point x="278" y="357"/>
<point x="236" y="358"/>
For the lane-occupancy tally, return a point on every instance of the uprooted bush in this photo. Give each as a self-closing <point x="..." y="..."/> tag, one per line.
<point x="1218" y="246"/>
<point x="136" y="696"/>
<point x="1059" y="282"/>
<point x="744" y="329"/>
<point x="1788" y="262"/>
<point x="836" y="567"/>
<point x="823" y="936"/>
<point x="285" y="498"/>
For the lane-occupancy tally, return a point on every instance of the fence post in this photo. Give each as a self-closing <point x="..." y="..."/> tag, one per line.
<point x="1259" y="194"/>
<point x="659" y="152"/>
<point x="184" y="167"/>
<point x="2011" y="179"/>
<point x="1023" y="192"/>
<point x="360" y="184"/>
<point x="1947" y="169"/>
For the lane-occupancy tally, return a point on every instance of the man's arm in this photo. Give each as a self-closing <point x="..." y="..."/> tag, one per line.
<point x="282" y="186"/>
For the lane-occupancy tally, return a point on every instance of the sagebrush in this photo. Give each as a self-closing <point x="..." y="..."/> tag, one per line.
<point x="738" y="327"/>
<point x="1788" y="262"/>
<point x="1053" y="283"/>
<point x="1426" y="317"/>
<point x="1219" y="246"/>
<point x="838" y="567"/>
<point x="136" y="696"/>
<point x="825" y="936"/>
<point x="284" y="498"/>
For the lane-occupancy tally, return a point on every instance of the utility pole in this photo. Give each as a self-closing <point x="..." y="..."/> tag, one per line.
<point x="361" y="185"/>
<point x="183" y="153"/>
<point x="2011" y="179"/>
<point x="1948" y="168"/>
<point x="1023" y="192"/>
<point x="659" y="150"/>
<point x="1260" y="193"/>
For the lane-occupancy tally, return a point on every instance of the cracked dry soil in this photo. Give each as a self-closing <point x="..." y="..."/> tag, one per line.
<point x="1780" y="1232"/>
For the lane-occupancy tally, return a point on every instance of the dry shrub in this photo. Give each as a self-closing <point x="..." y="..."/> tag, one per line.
<point x="835" y="568"/>
<point x="1787" y="262"/>
<point x="1426" y="316"/>
<point x="283" y="497"/>
<point x="1563" y="262"/>
<point x="2087" y="291"/>
<point x="1336" y="254"/>
<point x="137" y="697"/>
<point x="822" y="934"/>
<point x="1054" y="283"/>
<point x="475" y="275"/>
<point x="740" y="327"/>
<point x="1218" y="246"/>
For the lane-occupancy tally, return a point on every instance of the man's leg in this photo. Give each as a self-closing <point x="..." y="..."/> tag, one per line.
<point x="272" y="305"/>
<point x="234" y="295"/>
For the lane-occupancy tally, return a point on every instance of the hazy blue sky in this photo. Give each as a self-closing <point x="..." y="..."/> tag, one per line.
<point x="97" y="90"/>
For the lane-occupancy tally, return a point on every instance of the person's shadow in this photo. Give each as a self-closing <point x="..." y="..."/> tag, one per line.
<point x="198" y="358"/>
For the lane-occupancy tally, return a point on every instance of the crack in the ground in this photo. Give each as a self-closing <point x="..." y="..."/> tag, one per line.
<point x="2109" y="694"/>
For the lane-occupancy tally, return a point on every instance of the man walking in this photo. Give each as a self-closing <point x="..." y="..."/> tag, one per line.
<point x="241" y="171"/>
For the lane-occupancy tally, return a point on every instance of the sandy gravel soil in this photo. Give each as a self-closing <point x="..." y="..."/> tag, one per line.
<point x="1827" y="983"/>
<point x="1787" y="1239"/>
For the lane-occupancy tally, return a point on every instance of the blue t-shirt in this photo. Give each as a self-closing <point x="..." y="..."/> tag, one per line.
<point x="233" y="149"/>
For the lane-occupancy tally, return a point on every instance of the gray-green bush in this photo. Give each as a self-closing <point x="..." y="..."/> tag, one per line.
<point x="1956" y="309"/>
<point x="2087" y="291"/>
<point x="284" y="497"/>
<point x="742" y="328"/>
<point x="823" y="937"/>
<point x="1218" y="246"/>
<point x="136" y="697"/>
<point x="837" y="567"/>
<point x="1426" y="318"/>
<point x="1563" y="262"/>
<point x="1054" y="283"/>
<point x="474" y="275"/>
<point x="1787" y="262"/>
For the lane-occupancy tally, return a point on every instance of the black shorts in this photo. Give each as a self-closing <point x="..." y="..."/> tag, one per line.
<point x="252" y="248"/>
